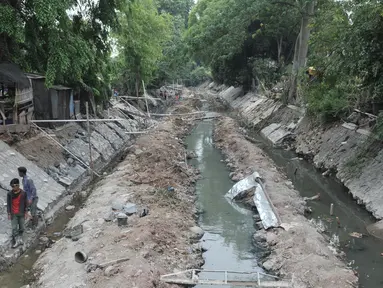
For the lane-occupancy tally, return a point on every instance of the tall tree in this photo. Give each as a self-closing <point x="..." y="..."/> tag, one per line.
<point x="140" y="41"/>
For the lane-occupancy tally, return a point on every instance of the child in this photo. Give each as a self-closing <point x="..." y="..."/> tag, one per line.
<point x="17" y="211"/>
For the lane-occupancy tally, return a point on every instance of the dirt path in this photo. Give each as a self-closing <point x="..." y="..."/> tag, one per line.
<point x="299" y="251"/>
<point x="155" y="244"/>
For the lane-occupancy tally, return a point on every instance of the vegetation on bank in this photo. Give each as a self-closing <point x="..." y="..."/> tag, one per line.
<point x="340" y="39"/>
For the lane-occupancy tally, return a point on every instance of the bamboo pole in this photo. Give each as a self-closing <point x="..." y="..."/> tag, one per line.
<point x="76" y="120"/>
<point x="134" y="97"/>
<point x="66" y="149"/>
<point x="146" y="100"/>
<point x="89" y="136"/>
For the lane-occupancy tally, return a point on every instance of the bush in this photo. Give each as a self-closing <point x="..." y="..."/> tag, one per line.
<point x="327" y="103"/>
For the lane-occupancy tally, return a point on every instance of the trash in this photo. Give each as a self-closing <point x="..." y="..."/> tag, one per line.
<point x="70" y="208"/>
<point x="356" y="235"/>
<point x="261" y="201"/>
<point x="144" y="211"/>
<point x="171" y="189"/>
<point x="122" y="219"/>
<point x="129" y="208"/>
<point x="316" y="197"/>
<point x="80" y="257"/>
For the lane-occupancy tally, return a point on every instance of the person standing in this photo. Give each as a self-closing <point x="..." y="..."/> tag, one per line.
<point x="30" y="190"/>
<point x="17" y="211"/>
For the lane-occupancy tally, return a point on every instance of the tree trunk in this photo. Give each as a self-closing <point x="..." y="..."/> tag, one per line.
<point x="279" y="44"/>
<point x="301" y="49"/>
<point x="138" y="84"/>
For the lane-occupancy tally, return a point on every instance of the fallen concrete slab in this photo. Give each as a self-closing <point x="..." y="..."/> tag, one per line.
<point x="264" y="207"/>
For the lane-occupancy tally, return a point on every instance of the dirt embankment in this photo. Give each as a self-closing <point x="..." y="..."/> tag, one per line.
<point x="155" y="244"/>
<point x="298" y="251"/>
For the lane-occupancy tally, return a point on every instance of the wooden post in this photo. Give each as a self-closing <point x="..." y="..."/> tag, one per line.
<point x="90" y="144"/>
<point x="146" y="100"/>
<point x="332" y="209"/>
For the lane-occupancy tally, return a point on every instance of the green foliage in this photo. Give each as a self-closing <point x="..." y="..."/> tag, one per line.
<point x="140" y="40"/>
<point x="326" y="102"/>
<point x="346" y="46"/>
<point x="227" y="35"/>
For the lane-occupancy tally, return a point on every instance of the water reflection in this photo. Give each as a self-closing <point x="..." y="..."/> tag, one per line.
<point x="228" y="231"/>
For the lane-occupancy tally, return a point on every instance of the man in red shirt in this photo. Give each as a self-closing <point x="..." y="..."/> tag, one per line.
<point x="17" y="211"/>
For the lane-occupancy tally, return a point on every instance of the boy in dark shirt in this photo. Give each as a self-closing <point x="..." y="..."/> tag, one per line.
<point x="17" y="211"/>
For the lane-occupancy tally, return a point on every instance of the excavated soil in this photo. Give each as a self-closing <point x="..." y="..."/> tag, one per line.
<point x="155" y="244"/>
<point x="298" y="251"/>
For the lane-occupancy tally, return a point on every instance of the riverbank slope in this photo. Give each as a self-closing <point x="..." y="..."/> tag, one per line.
<point x="156" y="243"/>
<point x="298" y="251"/>
<point x="335" y="149"/>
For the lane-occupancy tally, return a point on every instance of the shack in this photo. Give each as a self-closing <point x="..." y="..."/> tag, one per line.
<point x="61" y="99"/>
<point x="16" y="99"/>
<point x="41" y="98"/>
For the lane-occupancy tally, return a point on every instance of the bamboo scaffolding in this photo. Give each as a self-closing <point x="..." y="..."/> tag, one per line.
<point x="66" y="149"/>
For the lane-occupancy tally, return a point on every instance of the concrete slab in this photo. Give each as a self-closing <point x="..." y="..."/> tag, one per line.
<point x="102" y="145"/>
<point x="110" y="135"/>
<point x="47" y="187"/>
<point x="265" y="132"/>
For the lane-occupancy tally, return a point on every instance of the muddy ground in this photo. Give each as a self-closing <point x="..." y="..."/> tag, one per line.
<point x="299" y="251"/>
<point x="157" y="243"/>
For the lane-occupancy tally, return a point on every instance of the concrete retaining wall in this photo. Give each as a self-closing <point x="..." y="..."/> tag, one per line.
<point x="56" y="172"/>
<point x="330" y="147"/>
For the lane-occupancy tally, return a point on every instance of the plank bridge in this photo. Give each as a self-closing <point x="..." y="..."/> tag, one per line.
<point x="225" y="278"/>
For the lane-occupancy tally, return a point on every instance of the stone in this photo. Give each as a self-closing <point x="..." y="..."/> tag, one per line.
<point x="129" y="208"/>
<point x="65" y="181"/>
<point x="197" y="232"/>
<point x="57" y="164"/>
<point x="74" y="232"/>
<point x="138" y="152"/>
<point x="38" y="252"/>
<point x="108" y="217"/>
<point x="144" y="211"/>
<point x="118" y="204"/>
<point x="237" y="177"/>
<point x="32" y="158"/>
<point x="70" y="161"/>
<point x="70" y="208"/>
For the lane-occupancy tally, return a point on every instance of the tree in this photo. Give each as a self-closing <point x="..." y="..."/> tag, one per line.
<point x="140" y="41"/>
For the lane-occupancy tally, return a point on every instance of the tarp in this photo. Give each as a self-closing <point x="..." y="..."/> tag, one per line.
<point x="268" y="217"/>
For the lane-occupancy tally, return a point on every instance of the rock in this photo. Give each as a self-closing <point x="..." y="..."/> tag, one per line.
<point x="129" y="208"/>
<point x="32" y="158"/>
<point x="38" y="252"/>
<point x="258" y="225"/>
<point x="57" y="164"/>
<point x="197" y="232"/>
<point x="111" y="270"/>
<point x="109" y="216"/>
<point x="118" y="204"/>
<point x="70" y="161"/>
<point x="269" y="265"/>
<point x="237" y="177"/>
<point x="74" y="232"/>
<point x="64" y="181"/>
<point x="70" y="208"/>
<point x="138" y="152"/>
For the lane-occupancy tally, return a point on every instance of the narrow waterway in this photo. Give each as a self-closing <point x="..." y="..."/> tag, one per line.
<point x="228" y="232"/>
<point x="363" y="254"/>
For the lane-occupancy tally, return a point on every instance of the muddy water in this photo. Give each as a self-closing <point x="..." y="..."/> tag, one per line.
<point x="228" y="232"/>
<point x="364" y="254"/>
